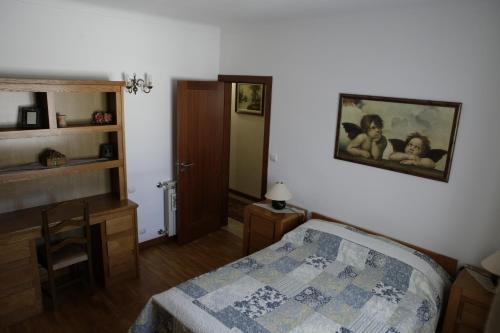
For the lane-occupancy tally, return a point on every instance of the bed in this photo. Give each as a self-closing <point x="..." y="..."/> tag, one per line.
<point x="323" y="276"/>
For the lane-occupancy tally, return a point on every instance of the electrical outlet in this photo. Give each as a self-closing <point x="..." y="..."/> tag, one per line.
<point x="142" y="231"/>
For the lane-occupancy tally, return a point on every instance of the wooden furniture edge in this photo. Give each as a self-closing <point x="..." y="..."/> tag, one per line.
<point x="449" y="264"/>
<point x="245" y="78"/>
<point x="35" y="227"/>
<point x="268" y="212"/>
<point x="59" y="81"/>
<point x="130" y="205"/>
<point x="15" y="133"/>
<point x="26" y="175"/>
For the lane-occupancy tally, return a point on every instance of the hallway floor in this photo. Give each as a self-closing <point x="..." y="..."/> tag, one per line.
<point x="234" y="227"/>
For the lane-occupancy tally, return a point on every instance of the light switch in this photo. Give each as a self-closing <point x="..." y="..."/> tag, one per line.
<point x="273" y="157"/>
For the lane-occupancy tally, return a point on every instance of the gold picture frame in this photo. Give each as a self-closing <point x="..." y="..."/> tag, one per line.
<point x="250" y="98"/>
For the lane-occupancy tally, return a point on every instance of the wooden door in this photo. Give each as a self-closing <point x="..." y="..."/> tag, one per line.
<point x="200" y="158"/>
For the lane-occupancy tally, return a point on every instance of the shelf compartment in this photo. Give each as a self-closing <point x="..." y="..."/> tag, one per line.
<point x="14" y="133"/>
<point x="11" y="104"/>
<point x="29" y="85"/>
<point x="36" y="170"/>
<point x="79" y="107"/>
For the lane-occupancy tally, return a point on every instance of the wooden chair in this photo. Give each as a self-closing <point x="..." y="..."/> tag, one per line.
<point x="61" y="250"/>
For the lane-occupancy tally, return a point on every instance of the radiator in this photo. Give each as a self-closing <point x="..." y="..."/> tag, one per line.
<point x="169" y="206"/>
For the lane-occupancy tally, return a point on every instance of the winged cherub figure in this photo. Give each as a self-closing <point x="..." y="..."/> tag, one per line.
<point x="366" y="140"/>
<point x="416" y="150"/>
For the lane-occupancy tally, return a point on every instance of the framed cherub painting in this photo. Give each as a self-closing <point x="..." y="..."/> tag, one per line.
<point x="411" y="136"/>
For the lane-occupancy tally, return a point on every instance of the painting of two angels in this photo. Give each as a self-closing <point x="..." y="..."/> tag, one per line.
<point x="404" y="135"/>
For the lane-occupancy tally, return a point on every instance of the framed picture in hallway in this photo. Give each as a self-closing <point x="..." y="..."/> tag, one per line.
<point x="249" y="98"/>
<point x="411" y="136"/>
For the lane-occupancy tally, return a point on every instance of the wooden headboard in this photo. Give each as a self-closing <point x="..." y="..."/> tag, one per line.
<point x="449" y="264"/>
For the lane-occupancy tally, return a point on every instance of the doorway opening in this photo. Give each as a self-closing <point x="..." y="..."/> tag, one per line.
<point x="247" y="106"/>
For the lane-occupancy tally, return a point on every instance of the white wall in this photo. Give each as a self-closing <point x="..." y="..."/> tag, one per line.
<point x="246" y="150"/>
<point x="443" y="52"/>
<point x="52" y="39"/>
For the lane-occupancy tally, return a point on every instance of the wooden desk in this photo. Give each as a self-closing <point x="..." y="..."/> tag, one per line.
<point x="115" y="248"/>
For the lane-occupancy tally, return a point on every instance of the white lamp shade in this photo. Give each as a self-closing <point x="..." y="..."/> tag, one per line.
<point x="492" y="263"/>
<point x="279" y="192"/>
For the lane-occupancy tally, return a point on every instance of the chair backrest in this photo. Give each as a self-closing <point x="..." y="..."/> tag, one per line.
<point x="62" y="218"/>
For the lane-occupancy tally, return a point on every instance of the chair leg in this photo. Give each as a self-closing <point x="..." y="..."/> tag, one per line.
<point x="91" y="277"/>
<point x="73" y="269"/>
<point x="52" y="287"/>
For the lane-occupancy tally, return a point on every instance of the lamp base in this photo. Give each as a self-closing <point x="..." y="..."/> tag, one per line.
<point x="278" y="204"/>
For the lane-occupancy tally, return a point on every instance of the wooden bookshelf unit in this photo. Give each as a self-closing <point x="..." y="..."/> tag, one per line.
<point x="27" y="186"/>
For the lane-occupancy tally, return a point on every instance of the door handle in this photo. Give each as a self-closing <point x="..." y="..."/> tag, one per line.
<point x="183" y="166"/>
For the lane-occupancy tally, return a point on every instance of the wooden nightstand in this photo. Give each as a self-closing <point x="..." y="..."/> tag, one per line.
<point x="468" y="306"/>
<point x="263" y="227"/>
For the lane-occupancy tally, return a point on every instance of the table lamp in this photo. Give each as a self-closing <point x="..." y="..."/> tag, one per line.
<point x="492" y="263"/>
<point x="278" y="194"/>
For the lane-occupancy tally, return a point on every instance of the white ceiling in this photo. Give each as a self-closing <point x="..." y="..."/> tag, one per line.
<point x="246" y="11"/>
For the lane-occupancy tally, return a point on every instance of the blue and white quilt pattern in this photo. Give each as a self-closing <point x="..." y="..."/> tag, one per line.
<point x="321" y="277"/>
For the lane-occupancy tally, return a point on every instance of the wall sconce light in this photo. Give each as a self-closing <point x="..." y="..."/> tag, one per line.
<point x="133" y="84"/>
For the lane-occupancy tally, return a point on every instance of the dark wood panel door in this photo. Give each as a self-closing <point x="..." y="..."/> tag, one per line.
<point x="200" y="152"/>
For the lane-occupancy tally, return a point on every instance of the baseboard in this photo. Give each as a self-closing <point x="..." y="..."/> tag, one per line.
<point x="155" y="241"/>
<point x="244" y="195"/>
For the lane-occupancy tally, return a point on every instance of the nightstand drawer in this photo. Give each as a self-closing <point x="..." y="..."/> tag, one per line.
<point x="119" y="224"/>
<point x="468" y="305"/>
<point x="474" y="315"/>
<point x="16" y="276"/>
<point x="261" y="226"/>
<point x="119" y="246"/>
<point x="14" y="251"/>
<point x="466" y="329"/>
<point x="258" y="242"/>
<point x="17" y="302"/>
<point x="264" y="227"/>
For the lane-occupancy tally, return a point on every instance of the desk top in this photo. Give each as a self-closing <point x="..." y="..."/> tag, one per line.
<point x="30" y="219"/>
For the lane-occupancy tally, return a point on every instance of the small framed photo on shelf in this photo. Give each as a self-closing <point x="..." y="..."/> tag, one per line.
<point x="30" y="117"/>
<point x="249" y="98"/>
<point x="107" y="150"/>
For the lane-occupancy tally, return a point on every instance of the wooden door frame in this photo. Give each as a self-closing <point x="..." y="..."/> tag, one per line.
<point x="228" y="80"/>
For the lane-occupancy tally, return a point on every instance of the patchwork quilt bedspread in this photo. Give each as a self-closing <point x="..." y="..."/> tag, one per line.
<point x="321" y="277"/>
